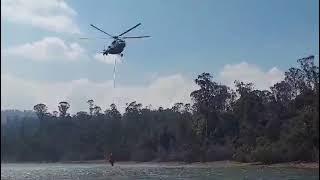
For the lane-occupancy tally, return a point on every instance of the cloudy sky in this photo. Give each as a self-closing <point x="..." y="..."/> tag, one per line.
<point x="44" y="61"/>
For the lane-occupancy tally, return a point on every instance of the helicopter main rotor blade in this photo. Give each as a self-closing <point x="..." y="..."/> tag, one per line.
<point x="102" y="30"/>
<point x="129" y="29"/>
<point x="131" y="37"/>
<point x="90" y="38"/>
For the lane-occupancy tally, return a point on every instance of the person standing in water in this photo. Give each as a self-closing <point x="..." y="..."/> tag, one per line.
<point x="111" y="160"/>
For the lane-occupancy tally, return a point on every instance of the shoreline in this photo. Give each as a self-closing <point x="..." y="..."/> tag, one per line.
<point x="218" y="164"/>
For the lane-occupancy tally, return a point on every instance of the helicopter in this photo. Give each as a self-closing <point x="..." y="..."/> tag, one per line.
<point x="118" y="44"/>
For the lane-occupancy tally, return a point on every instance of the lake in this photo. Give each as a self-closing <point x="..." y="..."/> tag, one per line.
<point x="99" y="171"/>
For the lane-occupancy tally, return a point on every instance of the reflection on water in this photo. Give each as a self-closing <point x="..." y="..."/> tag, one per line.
<point x="147" y="171"/>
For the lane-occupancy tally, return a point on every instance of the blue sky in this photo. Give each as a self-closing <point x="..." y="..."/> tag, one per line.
<point x="188" y="37"/>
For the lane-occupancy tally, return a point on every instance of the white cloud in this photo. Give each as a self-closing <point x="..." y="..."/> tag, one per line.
<point x="109" y="59"/>
<point x="19" y="93"/>
<point x="53" y="15"/>
<point x="49" y="48"/>
<point x="250" y="73"/>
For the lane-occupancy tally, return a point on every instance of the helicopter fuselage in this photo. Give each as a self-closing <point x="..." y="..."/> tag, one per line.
<point x="116" y="47"/>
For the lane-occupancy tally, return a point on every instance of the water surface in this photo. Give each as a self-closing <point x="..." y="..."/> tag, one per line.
<point x="56" y="171"/>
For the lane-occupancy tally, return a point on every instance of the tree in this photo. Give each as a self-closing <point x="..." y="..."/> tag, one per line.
<point x="243" y="88"/>
<point x="247" y="109"/>
<point x="281" y="92"/>
<point x="113" y="113"/>
<point x="91" y="106"/>
<point x="55" y="113"/>
<point x="310" y="72"/>
<point x="187" y="108"/>
<point x="177" y="107"/>
<point x="41" y="110"/>
<point x="133" y="107"/>
<point x="63" y="108"/>
<point x="96" y="110"/>
<point x="210" y="100"/>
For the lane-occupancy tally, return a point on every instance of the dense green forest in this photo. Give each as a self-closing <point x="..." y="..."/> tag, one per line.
<point x="244" y="124"/>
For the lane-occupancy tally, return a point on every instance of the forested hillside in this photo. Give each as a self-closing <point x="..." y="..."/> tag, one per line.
<point x="244" y="124"/>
